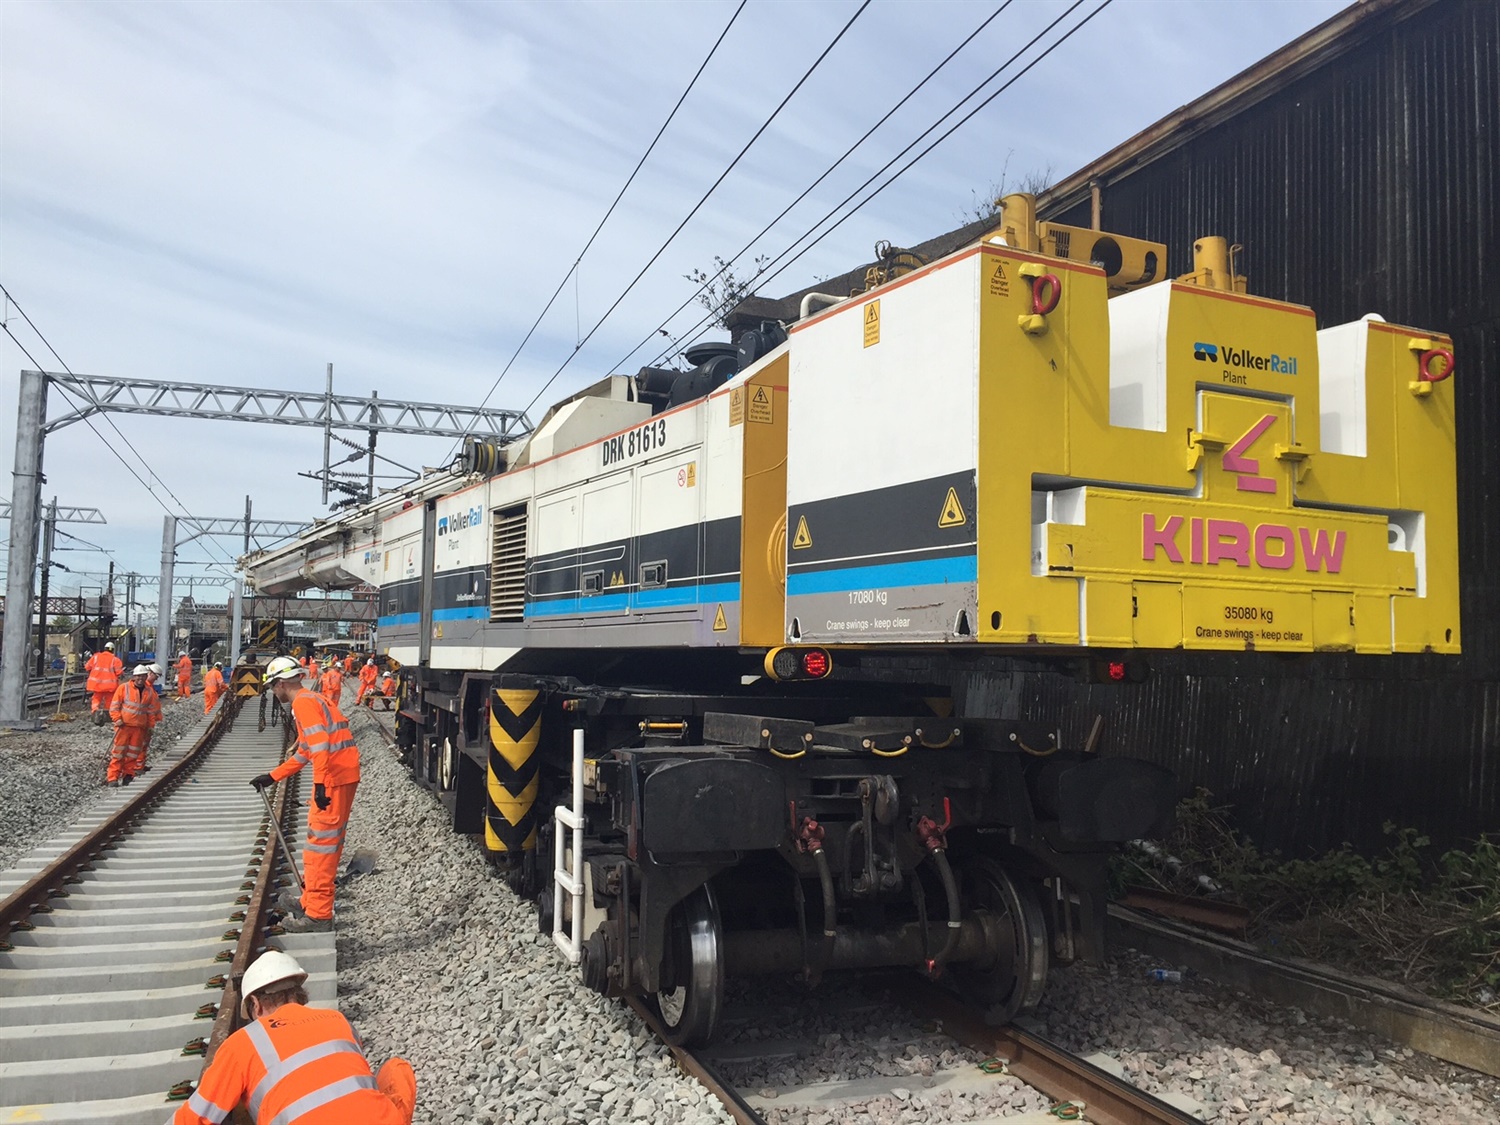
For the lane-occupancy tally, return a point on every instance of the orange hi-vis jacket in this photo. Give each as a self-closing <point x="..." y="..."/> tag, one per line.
<point x="299" y="1065"/>
<point x="104" y="669"/>
<point x="368" y="676"/>
<point x="135" y="707"/>
<point x="213" y="682"/>
<point x="185" y="667"/>
<point x="323" y="739"/>
<point x="349" y="665"/>
<point x="332" y="683"/>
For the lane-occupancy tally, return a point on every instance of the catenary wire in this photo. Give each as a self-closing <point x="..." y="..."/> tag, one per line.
<point x="697" y="206"/>
<point x="826" y="173"/>
<point x="63" y="388"/>
<point x="573" y="269"/>
<point x="768" y="274"/>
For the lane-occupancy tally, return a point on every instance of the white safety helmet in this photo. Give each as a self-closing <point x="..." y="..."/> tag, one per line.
<point x="110" y="645"/>
<point x="140" y="670"/>
<point x="156" y="668"/>
<point x="218" y="664"/>
<point x="283" y="668"/>
<point x="371" y="662"/>
<point x="271" y="967"/>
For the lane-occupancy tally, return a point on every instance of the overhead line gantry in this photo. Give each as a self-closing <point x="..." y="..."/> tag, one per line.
<point x="97" y="394"/>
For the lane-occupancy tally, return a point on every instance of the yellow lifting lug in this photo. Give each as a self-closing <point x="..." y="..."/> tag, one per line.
<point x="1421" y="344"/>
<point x="1199" y="444"/>
<point x="1420" y="388"/>
<point x="1033" y="324"/>
<point x="1032" y="269"/>
<point x="1297" y="456"/>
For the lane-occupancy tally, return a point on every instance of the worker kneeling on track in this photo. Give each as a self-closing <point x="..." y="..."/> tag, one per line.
<point x="135" y="710"/>
<point x="295" y="1064"/>
<point x="323" y="738"/>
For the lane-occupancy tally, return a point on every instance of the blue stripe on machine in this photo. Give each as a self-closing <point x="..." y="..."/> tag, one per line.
<point x="660" y="598"/>
<point x="924" y="572"/>
<point x="462" y="613"/>
<point x="396" y="619"/>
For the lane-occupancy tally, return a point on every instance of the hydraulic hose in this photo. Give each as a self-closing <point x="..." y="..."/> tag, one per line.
<point x="955" y="918"/>
<point x="830" y="907"/>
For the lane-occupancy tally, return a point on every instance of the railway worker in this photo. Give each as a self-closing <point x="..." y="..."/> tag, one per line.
<point x="332" y="684"/>
<point x="104" y="669"/>
<point x="348" y="663"/>
<point x="388" y="687"/>
<point x="184" y="676"/>
<point x="154" y="676"/>
<point x="213" y="686"/>
<point x="134" y="709"/>
<point x="296" y="1064"/>
<point x="323" y="739"/>
<point x="367" y="676"/>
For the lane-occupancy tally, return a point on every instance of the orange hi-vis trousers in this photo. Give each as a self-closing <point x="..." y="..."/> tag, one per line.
<point x="324" y="846"/>
<point x="128" y="754"/>
<point x="101" y="699"/>
<point x="210" y="697"/>
<point x="184" y="687"/>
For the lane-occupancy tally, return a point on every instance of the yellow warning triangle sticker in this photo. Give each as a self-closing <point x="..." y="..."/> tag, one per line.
<point x="720" y="625"/>
<point x="953" y="511"/>
<point x="999" y="269"/>
<point x="760" y="395"/>
<point x="803" y="537"/>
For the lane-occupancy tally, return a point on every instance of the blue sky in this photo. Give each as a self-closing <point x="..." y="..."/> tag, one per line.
<point x="242" y="193"/>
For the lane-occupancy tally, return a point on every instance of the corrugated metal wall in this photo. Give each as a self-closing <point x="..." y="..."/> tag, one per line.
<point x="1369" y="185"/>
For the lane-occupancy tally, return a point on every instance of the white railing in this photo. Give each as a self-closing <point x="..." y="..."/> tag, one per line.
<point x="566" y="879"/>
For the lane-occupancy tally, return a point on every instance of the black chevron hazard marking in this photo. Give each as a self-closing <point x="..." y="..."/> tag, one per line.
<point x="514" y="780"/>
<point x="513" y="837"/>
<point x="516" y="727"/>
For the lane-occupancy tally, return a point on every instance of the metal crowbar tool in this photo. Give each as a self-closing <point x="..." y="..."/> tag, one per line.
<point x="286" y="850"/>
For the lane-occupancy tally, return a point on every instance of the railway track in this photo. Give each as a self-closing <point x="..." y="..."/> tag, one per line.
<point x="55" y="692"/>
<point x="905" y="1047"/>
<point x="123" y="939"/>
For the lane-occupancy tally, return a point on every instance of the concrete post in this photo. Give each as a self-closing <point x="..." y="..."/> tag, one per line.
<point x="164" y="652"/>
<point x="25" y="504"/>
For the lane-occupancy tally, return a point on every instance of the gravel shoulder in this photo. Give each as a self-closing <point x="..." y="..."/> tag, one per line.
<point x="52" y="776"/>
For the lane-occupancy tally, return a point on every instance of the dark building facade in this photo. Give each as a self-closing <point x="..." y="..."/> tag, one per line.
<point x="1359" y="169"/>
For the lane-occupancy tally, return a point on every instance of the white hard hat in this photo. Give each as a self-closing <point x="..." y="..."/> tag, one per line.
<point x="271" y="967"/>
<point x="110" y="645"/>
<point x="283" y="668"/>
<point x="140" y="670"/>
<point x="371" y="661"/>
<point x="218" y="664"/>
<point x="156" y="668"/>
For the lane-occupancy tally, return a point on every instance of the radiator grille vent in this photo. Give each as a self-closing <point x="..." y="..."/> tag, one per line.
<point x="508" y="565"/>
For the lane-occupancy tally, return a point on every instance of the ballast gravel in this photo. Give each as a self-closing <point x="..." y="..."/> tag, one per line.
<point x="440" y="963"/>
<point x="1251" y="1062"/>
<point x="52" y="775"/>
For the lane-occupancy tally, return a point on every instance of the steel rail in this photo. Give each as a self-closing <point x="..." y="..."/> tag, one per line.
<point x="706" y="1074"/>
<point x="252" y="939"/>
<point x="33" y="894"/>
<point x="1041" y="1063"/>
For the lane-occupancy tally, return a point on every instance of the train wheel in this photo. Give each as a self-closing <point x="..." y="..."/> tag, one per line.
<point x="1012" y="981"/>
<point x="692" y="993"/>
